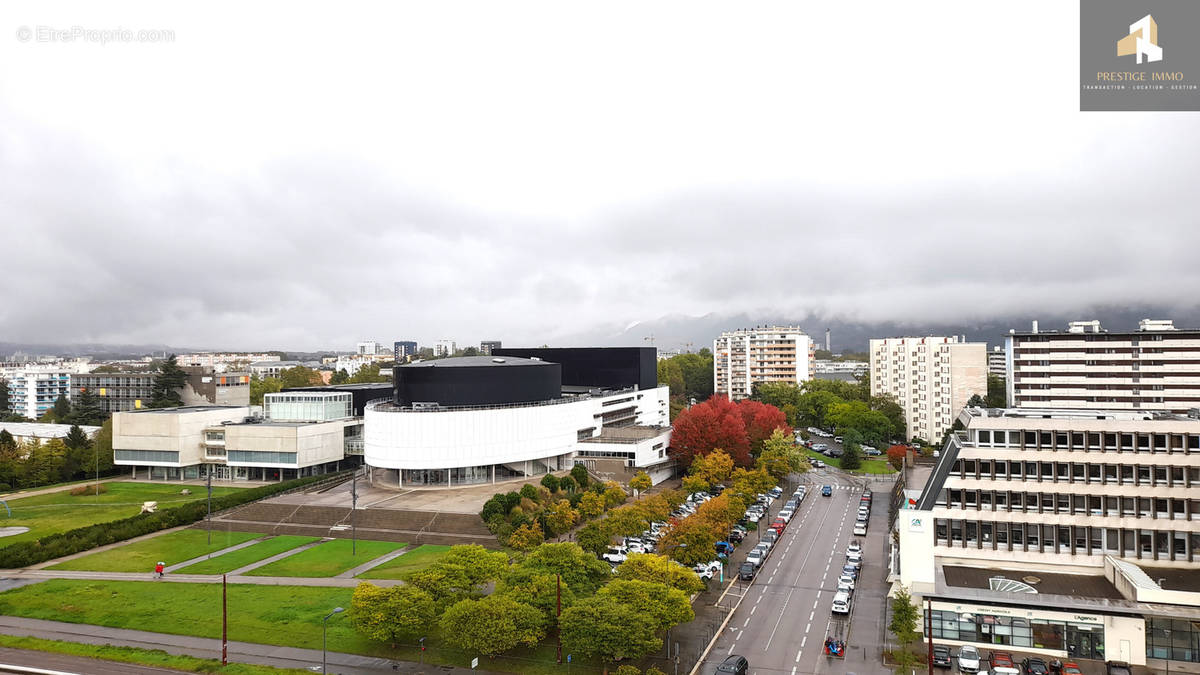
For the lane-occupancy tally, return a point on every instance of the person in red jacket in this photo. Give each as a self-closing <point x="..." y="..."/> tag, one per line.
<point x="158" y="570"/>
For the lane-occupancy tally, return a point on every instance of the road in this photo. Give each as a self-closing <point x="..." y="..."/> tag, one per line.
<point x="783" y="620"/>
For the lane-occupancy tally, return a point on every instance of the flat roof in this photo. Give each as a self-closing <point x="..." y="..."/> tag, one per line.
<point x="185" y="408"/>
<point x="1081" y="585"/>
<point x="633" y="433"/>
<point x="1173" y="579"/>
<point x="43" y="430"/>
<point x="1071" y="414"/>
<point x="477" y="362"/>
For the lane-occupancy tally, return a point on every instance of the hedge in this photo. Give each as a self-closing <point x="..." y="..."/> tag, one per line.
<point x="26" y="553"/>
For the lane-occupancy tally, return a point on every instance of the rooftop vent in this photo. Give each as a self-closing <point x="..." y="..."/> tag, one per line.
<point x="1156" y="324"/>
<point x="1092" y="326"/>
<point x="497" y="360"/>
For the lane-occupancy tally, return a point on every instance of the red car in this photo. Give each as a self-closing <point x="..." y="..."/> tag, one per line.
<point x="1071" y="668"/>
<point x="1001" y="659"/>
<point x="778" y="526"/>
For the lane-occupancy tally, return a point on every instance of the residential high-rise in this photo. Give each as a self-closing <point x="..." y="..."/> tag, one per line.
<point x="33" y="388"/>
<point x="1067" y="533"/>
<point x="1152" y="368"/>
<point x="444" y="348"/>
<point x="997" y="361"/>
<point x="403" y="349"/>
<point x="764" y="354"/>
<point x="932" y="378"/>
<point x="487" y="346"/>
<point x="119" y="392"/>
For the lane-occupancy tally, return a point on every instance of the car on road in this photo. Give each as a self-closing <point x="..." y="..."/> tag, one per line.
<point x="850" y="570"/>
<point x="837" y="439"/>
<point x="820" y="447"/>
<point x="1034" y="666"/>
<point x="841" y="603"/>
<point x="968" y="659"/>
<point x="734" y="665"/>
<point x="854" y="558"/>
<point x="860" y="529"/>
<point x="941" y="657"/>
<point x="1071" y="668"/>
<point x="846" y="579"/>
<point x="746" y="571"/>
<point x="817" y="464"/>
<point x="827" y="491"/>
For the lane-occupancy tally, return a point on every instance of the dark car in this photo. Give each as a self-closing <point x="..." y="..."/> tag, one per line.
<point x="746" y="571"/>
<point x="736" y="536"/>
<point x="941" y="657"/>
<point x="827" y="491"/>
<point x="738" y="665"/>
<point x="1034" y="666"/>
<point x="1118" y="668"/>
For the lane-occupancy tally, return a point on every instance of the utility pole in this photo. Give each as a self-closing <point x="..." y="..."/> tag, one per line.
<point x="224" y="621"/>
<point x="208" y="518"/>
<point x="558" y="613"/>
<point x="929" y="631"/>
<point x="96" y="455"/>
<point x="353" y="509"/>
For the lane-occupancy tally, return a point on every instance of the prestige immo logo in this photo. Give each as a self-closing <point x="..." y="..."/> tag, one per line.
<point x="1142" y="41"/>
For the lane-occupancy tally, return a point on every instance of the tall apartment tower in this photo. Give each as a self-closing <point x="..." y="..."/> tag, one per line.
<point x="828" y="348"/>
<point x="931" y="377"/>
<point x="487" y="346"/>
<point x="1152" y="368"/>
<point x="766" y="354"/>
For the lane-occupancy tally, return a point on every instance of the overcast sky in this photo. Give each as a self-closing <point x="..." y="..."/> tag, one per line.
<point x="283" y="175"/>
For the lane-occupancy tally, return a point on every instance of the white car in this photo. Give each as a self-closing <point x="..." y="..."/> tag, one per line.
<point x="968" y="659"/>
<point x="841" y="603"/>
<point x="615" y="555"/>
<point x="843" y="587"/>
<point x="753" y="516"/>
<point x="854" y="558"/>
<point x="860" y="529"/>
<point x="786" y="515"/>
<point x="757" y="556"/>
<point x="853" y="547"/>
<point x="847" y="580"/>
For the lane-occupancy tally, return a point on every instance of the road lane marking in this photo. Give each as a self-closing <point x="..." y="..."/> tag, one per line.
<point x="751" y="614"/>
<point x="745" y="622"/>
<point x="810" y="618"/>
<point x="798" y="651"/>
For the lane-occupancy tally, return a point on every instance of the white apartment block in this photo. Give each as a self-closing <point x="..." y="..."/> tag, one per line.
<point x="997" y="361"/>
<point x="765" y="354"/>
<point x="1156" y="367"/>
<point x="1068" y="533"/>
<point x="932" y="378"/>
<point x="224" y="361"/>
<point x="445" y="348"/>
<point x="33" y="388"/>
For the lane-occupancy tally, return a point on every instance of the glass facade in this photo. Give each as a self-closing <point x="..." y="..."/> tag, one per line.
<point x="308" y="406"/>
<point x="1173" y="639"/>
<point x="255" y="457"/>
<point x="146" y="456"/>
<point x="1081" y="640"/>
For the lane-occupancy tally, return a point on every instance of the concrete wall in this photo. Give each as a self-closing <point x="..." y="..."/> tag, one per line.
<point x="181" y="432"/>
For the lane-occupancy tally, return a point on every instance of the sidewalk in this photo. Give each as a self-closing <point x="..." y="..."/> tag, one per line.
<point x="148" y="577"/>
<point x="241" y="652"/>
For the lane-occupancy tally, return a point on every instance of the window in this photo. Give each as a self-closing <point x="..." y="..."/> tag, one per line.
<point x="146" y="456"/>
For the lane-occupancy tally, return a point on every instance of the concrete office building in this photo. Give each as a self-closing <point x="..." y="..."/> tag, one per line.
<point x="1156" y="367"/>
<point x="997" y="361"/>
<point x="520" y="413"/>
<point x="130" y="391"/>
<point x="1070" y="533"/>
<point x="765" y="354"/>
<point x="303" y="433"/>
<point x="932" y="378"/>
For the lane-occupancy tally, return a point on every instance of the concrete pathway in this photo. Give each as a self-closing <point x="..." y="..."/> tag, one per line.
<point x="278" y="556"/>
<point x="214" y="554"/>
<point x="16" y="577"/>
<point x="355" y="571"/>
<point x="209" y="648"/>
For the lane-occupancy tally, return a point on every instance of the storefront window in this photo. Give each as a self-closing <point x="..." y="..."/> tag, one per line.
<point x="1077" y="639"/>
<point x="1173" y="639"/>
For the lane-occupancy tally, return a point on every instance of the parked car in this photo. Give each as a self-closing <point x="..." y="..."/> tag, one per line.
<point x="860" y="529"/>
<point x="837" y="439"/>
<point x="770" y="536"/>
<point x="827" y="491"/>
<point x="756" y="556"/>
<point x="775" y="492"/>
<point x="707" y="570"/>
<point x="872" y="452"/>
<point x="1117" y="668"/>
<point x="1034" y="666"/>
<point x="841" y="603"/>
<point x="854" y="558"/>
<point x="850" y="570"/>
<point x="746" y="571"/>
<point x="724" y="547"/>
<point x="1071" y="668"/>
<point x="820" y="447"/>
<point x="736" y="536"/>
<point x="941" y="657"/>
<point x="817" y="464"/>
<point x="734" y="665"/>
<point x="968" y="659"/>
<point x="1001" y="659"/>
<point x="615" y="555"/>
<point x="846" y="579"/>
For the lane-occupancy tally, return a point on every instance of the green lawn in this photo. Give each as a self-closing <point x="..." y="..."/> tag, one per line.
<point x="172" y="548"/>
<point x="419" y="558"/>
<point x="326" y="560"/>
<point x="59" y="511"/>
<point x="874" y="465"/>
<point x="289" y="616"/>
<point x="228" y="562"/>
<point x="143" y="657"/>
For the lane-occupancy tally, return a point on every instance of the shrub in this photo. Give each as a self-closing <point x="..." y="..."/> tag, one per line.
<point x="550" y="482"/>
<point x="528" y="491"/>
<point x="26" y="553"/>
<point x="81" y="490"/>
<point x="580" y="475"/>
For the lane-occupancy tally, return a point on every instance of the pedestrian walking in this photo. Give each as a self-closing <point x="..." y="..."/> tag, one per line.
<point x="158" y="569"/>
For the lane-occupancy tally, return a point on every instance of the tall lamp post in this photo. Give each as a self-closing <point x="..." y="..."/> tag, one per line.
<point x="324" y="623"/>
<point x="208" y="516"/>
<point x="353" y="509"/>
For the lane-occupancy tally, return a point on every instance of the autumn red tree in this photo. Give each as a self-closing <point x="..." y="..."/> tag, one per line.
<point x="760" y="421"/>
<point x="704" y="427"/>
<point x="896" y="455"/>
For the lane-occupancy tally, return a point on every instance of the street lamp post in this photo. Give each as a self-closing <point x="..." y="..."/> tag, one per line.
<point x="324" y="623"/>
<point x="353" y="509"/>
<point x="208" y="517"/>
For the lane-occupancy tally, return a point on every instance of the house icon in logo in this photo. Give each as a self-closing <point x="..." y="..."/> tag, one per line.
<point x="1141" y="41"/>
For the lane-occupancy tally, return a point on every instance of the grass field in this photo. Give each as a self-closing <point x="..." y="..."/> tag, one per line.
<point x="142" y="657"/>
<point x="419" y="558"/>
<point x="289" y="616"/>
<point x="228" y="562"/>
<point x="172" y="548"/>
<point x="873" y="465"/>
<point x="326" y="560"/>
<point x="59" y="511"/>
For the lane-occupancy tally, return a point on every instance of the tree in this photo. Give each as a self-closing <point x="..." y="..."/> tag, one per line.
<point x="614" y="495"/>
<point x="167" y="384"/>
<point x="526" y="538"/>
<point x="550" y="482"/>
<point x="340" y="376"/>
<point x="761" y="420"/>
<point x="479" y="564"/>
<point x="44" y="462"/>
<point x="660" y="570"/>
<point x="580" y="475"/>
<point x="852" y="457"/>
<point x="778" y="394"/>
<point x="896" y="456"/>
<point x="594" y="537"/>
<point x="470" y="351"/>
<point x="891" y="408"/>
<point x="627" y="521"/>
<point x="61" y="412"/>
<point x="641" y="482"/>
<point x="492" y="625"/>
<point x="300" y="376"/>
<point x="904" y="624"/>
<point x="7" y="442"/>
<point x="76" y="439"/>
<point x="713" y="467"/>
<point x="704" y="427"/>
<point x="872" y="425"/>
<point x="690" y="542"/>
<point x="537" y="589"/>
<point x="560" y="517"/>
<point x="87" y="409"/>
<point x="579" y="570"/>
<point x="262" y="386"/>
<point x="695" y="483"/>
<point x="744" y="485"/>
<point x="976" y="401"/>
<point x="369" y="373"/>
<point x="391" y="614"/>
<point x="4" y="397"/>
<point x="668" y="606"/>
<point x="997" y="391"/>
<point x="780" y="458"/>
<point x="591" y="505"/>
<point x="605" y="628"/>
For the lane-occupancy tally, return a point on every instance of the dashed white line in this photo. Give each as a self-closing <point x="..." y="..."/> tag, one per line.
<point x="751" y="614"/>
<point x="810" y="618"/>
<point x="744" y="623"/>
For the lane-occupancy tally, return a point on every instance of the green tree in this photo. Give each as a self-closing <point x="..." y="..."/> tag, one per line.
<point x="87" y="409"/>
<point x="537" y="589"/>
<point x="903" y="625"/>
<point x="614" y="495"/>
<point x="550" y="482"/>
<point x="695" y="483"/>
<point x="667" y="606"/>
<point x="61" y="412"/>
<point x="369" y="373"/>
<point x="591" y="505"/>
<point x="7" y="442"/>
<point x="560" y="517"/>
<point x="262" y="386"/>
<point x="627" y="521"/>
<point x="690" y="542"/>
<point x="660" y="570"/>
<point x="44" y="462"/>
<point x="340" y="376"/>
<point x="5" y="403"/>
<point x="479" y="564"/>
<point x="997" y="392"/>
<point x="579" y="569"/>
<point x="714" y="467"/>
<point x="526" y="538"/>
<point x="780" y="457"/>
<point x="594" y="537"/>
<point x="852" y="457"/>
<point x="580" y="475"/>
<point x="872" y="425"/>
<point x="100" y="459"/>
<point x="976" y="401"/>
<point x="167" y="384"/>
<point x="605" y="628"/>
<point x="300" y="376"/>
<point x="566" y="484"/>
<point x="641" y="482"/>
<point x="391" y="614"/>
<point x="446" y="584"/>
<point x="492" y="625"/>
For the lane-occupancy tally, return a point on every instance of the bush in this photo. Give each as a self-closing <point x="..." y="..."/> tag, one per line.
<point x="26" y="553"/>
<point x="528" y="491"/>
<point x="81" y="490"/>
<point x="580" y="475"/>
<point x="550" y="482"/>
